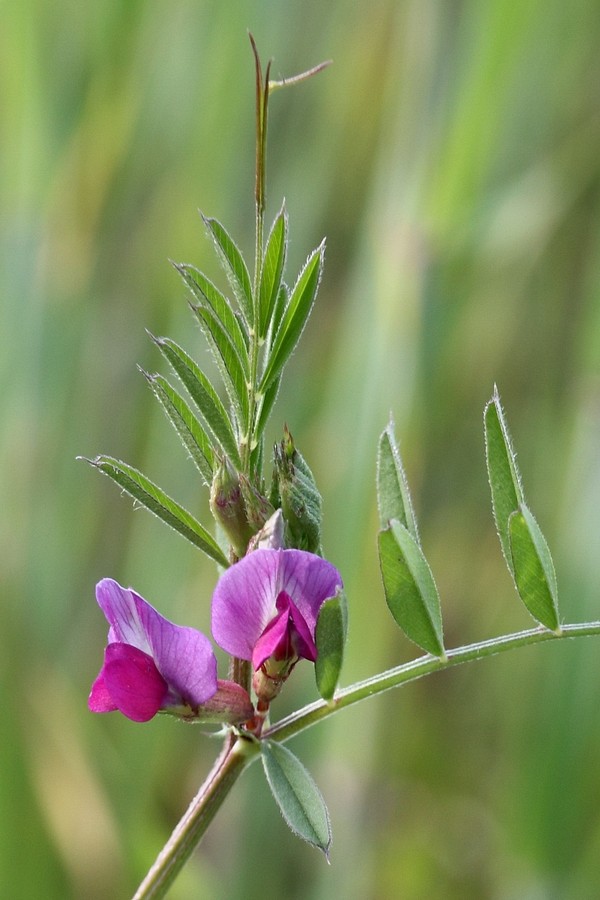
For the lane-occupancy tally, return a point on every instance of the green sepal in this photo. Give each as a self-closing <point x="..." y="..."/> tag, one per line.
<point x="203" y="394"/>
<point x="164" y="507"/>
<point x="393" y="495"/>
<point x="330" y="639"/>
<point x="258" y="508"/>
<point x="271" y="272"/>
<point x="533" y="568"/>
<point x="297" y="796"/>
<point x="294" y="317"/>
<point x="234" y="265"/>
<point x="503" y="473"/>
<point x="185" y="423"/>
<point x="295" y="489"/>
<point x="228" y="507"/>
<point x="410" y="589"/>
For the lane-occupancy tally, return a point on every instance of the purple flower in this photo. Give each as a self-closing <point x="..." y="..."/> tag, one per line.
<point x="265" y="607"/>
<point x="150" y="664"/>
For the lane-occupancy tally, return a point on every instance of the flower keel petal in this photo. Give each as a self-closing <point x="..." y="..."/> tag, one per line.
<point x="133" y="682"/>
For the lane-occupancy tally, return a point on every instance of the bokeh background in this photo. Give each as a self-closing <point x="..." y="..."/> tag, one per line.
<point x="452" y="157"/>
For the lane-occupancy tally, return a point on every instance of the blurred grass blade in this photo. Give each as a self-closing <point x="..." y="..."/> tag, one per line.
<point x="410" y="590"/>
<point x="164" y="507"/>
<point x="272" y="271"/>
<point x="330" y="638"/>
<point x="295" y="316"/>
<point x="227" y="360"/>
<point x="533" y="568"/>
<point x="503" y="473"/>
<point x="203" y="394"/>
<point x="393" y="495"/>
<point x="234" y="265"/>
<point x="297" y="796"/>
<point x="205" y="293"/>
<point x="185" y="423"/>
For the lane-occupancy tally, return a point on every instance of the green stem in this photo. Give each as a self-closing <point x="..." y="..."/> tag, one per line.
<point x="262" y="102"/>
<point x="238" y="752"/>
<point x="411" y="671"/>
<point x="235" y="756"/>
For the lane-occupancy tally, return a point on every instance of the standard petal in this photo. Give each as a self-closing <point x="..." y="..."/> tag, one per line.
<point x="309" y="580"/>
<point x="244" y="601"/>
<point x="183" y="656"/>
<point x="122" y="612"/>
<point x="133" y="682"/>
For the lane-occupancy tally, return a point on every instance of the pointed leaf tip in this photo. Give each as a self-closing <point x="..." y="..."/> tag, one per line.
<point x="297" y="796"/>
<point x="393" y="494"/>
<point x="503" y="473"/>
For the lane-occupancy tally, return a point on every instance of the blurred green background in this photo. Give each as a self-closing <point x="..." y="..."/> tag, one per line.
<point x="452" y="157"/>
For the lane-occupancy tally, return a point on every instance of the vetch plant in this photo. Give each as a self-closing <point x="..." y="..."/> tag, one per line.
<point x="278" y="602"/>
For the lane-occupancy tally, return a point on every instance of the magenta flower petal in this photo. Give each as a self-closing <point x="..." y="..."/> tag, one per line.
<point x="302" y="639"/>
<point x="245" y="598"/>
<point x="286" y="636"/>
<point x="134" y="683"/>
<point x="271" y="638"/>
<point x="100" y="700"/>
<point x="182" y="657"/>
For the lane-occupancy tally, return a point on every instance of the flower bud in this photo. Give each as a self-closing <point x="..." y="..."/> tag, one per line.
<point x="228" y="507"/>
<point x="271" y="536"/>
<point x="294" y="486"/>
<point x="258" y="508"/>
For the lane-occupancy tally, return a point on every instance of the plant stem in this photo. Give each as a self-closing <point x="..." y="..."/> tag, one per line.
<point x="411" y="671"/>
<point x="238" y="752"/>
<point x="262" y="101"/>
<point x="235" y="756"/>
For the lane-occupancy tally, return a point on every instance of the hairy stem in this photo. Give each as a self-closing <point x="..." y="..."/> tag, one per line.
<point x="262" y="101"/>
<point x="411" y="671"/>
<point x="234" y="757"/>
<point x="238" y="751"/>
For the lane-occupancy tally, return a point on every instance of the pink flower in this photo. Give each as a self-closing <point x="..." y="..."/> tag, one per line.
<point x="265" y="607"/>
<point x="150" y="664"/>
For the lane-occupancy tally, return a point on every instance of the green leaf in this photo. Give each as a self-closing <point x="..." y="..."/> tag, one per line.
<point x="266" y="402"/>
<point x="503" y="473"/>
<point x="187" y="426"/>
<point x="393" y="495"/>
<point x="279" y="307"/>
<point x="234" y="265"/>
<point x="205" y="293"/>
<point x="164" y="507"/>
<point x="272" y="271"/>
<point x="410" y="590"/>
<point x="203" y="394"/>
<point x="295" y="317"/>
<point x="533" y="568"/>
<point x="330" y="638"/>
<point x="227" y="360"/>
<point x="297" y="796"/>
